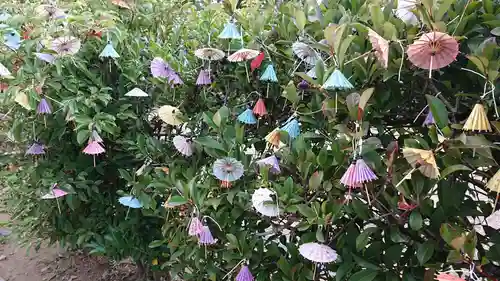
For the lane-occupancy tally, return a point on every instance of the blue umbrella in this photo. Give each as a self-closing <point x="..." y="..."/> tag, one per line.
<point x="130" y="201"/>
<point x="247" y="117"/>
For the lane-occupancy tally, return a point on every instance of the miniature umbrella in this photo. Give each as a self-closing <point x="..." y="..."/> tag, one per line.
<point x="4" y="72"/>
<point x="159" y="68"/>
<point x="363" y="172"/>
<point x="243" y="55"/>
<point x="209" y="54"/>
<point x="244" y="274"/>
<point x="247" y="117"/>
<point x="43" y="107"/>
<point x="54" y="193"/>
<point x="477" y="120"/>
<point x="447" y="277"/>
<point x="230" y="31"/>
<point x="429" y="119"/>
<point x="272" y="162"/>
<point x="433" y="50"/>
<point x="130" y="201"/>
<point x="50" y="11"/>
<point x="264" y="203"/>
<point x="203" y="78"/>
<point x="46" y="57"/>
<point x="195" y="227"/>
<point x="257" y="61"/>
<point x="228" y="169"/>
<point x="260" y="108"/>
<point x="305" y="53"/>
<point x="109" y="52"/>
<point x="66" y="45"/>
<point x="136" y="92"/>
<point x="183" y="145"/>
<point x="381" y="47"/>
<point x="12" y="39"/>
<point x="121" y="3"/>
<point x="170" y="115"/>
<point x="318" y="253"/>
<point x="93" y="148"/>
<point x="312" y="73"/>
<point x="292" y="127"/>
<point x="269" y="74"/>
<point x="337" y="80"/>
<point x="35" y="149"/>
<point x="205" y="237"/>
<point x="422" y="160"/>
<point x="95" y="137"/>
<point x="273" y="137"/>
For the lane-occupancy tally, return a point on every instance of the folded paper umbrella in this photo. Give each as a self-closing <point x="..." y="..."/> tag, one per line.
<point x="205" y="237"/>
<point x="109" y="51"/>
<point x="203" y="78"/>
<point x="380" y="46"/>
<point x="4" y="72"/>
<point x="337" y="80"/>
<point x="44" y="108"/>
<point x="35" y="149"/>
<point x="292" y="127"/>
<point x="260" y="108"/>
<point x="257" y="61"/>
<point x="422" y="160"/>
<point x="159" y="68"/>
<point x="54" y="193"/>
<point x="66" y="45"/>
<point x="349" y="177"/>
<point x="93" y="148"/>
<point x="174" y="80"/>
<point x="447" y="277"/>
<point x="407" y="16"/>
<point x="247" y="117"/>
<point x="312" y="73"/>
<point x="263" y="202"/>
<point x="433" y="50"/>
<point x="269" y="76"/>
<point x="94" y="136"/>
<point x="273" y="137"/>
<point x="494" y="185"/>
<point x="244" y="274"/>
<point x="477" y="120"/>
<point x="170" y="115"/>
<point x="49" y="58"/>
<point x="209" y="54"/>
<point x="272" y="162"/>
<point x="363" y="174"/>
<point x="183" y="145"/>
<point x="136" y="92"/>
<point x="318" y="253"/>
<point x="4" y="16"/>
<point x="429" y="119"/>
<point x="228" y="169"/>
<point x="243" y="55"/>
<point x="49" y="11"/>
<point x="130" y="202"/>
<point x="305" y="53"/>
<point x="195" y="226"/>
<point x="12" y="39"/>
<point x="230" y="31"/>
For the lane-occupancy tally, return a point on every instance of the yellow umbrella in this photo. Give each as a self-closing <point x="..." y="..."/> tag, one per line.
<point x="170" y="115"/>
<point x="494" y="185"/>
<point x="273" y="137"/>
<point x="422" y="160"/>
<point x="477" y="120"/>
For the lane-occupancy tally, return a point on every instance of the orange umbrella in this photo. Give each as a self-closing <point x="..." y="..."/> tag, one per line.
<point x="433" y="50"/>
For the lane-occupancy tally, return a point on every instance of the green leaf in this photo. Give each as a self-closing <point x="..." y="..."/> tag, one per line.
<point x="480" y="62"/>
<point x="364" y="237"/>
<point x="319" y="235"/>
<point x="320" y="70"/>
<point x="306" y="211"/>
<point x="377" y="16"/>
<point x="125" y="175"/>
<point x="339" y="34"/>
<point x="454" y="168"/>
<point x="82" y="136"/>
<point x="425" y="252"/>
<point x="300" y="19"/>
<point x="442" y="7"/>
<point x="290" y="92"/>
<point x="221" y="116"/>
<point x="156" y="243"/>
<point x="233" y="241"/>
<point x="415" y="220"/>
<point x="364" y="275"/>
<point x="343" y="270"/>
<point x="315" y="180"/>
<point x="343" y="48"/>
<point x="176" y="200"/>
<point x="438" y="110"/>
<point x="209" y="142"/>
<point x="361" y="209"/>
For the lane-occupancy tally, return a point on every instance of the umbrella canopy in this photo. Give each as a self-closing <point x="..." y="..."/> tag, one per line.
<point x="433" y="50"/>
<point x="425" y="159"/>
<point x="318" y="252"/>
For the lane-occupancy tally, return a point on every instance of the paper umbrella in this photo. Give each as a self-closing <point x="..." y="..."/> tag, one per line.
<point x="260" y="108"/>
<point x="205" y="237"/>
<point x="54" y="193"/>
<point x="263" y="202"/>
<point x="159" y="68"/>
<point x="337" y="80"/>
<point x="136" y="92"/>
<point x="272" y="162"/>
<point x="380" y="46"/>
<point x="292" y="127"/>
<point x="228" y="169"/>
<point x="12" y="39"/>
<point x="433" y="50"/>
<point x="269" y="74"/>
<point x="4" y="72"/>
<point x="130" y="201"/>
<point x="244" y="274"/>
<point x="422" y="160"/>
<point x="318" y="253"/>
<point x="43" y="107"/>
<point x="170" y="115"/>
<point x="50" y="11"/>
<point x="93" y="148"/>
<point x="349" y="177"/>
<point x="121" y="3"/>
<point x="312" y="73"/>
<point x="247" y="117"/>
<point x="429" y="119"/>
<point x="243" y="55"/>
<point x="230" y="31"/>
<point x="477" y="120"/>
<point x="109" y="52"/>
<point x="305" y="53"/>
<point x="46" y="57"/>
<point x="183" y="145"/>
<point x="447" y="277"/>
<point x="35" y="149"/>
<point x="94" y="136"/>
<point x="273" y="137"/>
<point x="257" y="61"/>
<point x="195" y="227"/>
<point x="203" y="78"/>
<point x="66" y="45"/>
<point x="209" y="54"/>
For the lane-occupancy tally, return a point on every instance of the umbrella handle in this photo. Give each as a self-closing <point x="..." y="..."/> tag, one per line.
<point x="406" y="177"/>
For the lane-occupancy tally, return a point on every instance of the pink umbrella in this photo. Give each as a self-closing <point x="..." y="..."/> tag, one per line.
<point x="55" y="193"/>
<point x="94" y="148"/>
<point x="433" y="50"/>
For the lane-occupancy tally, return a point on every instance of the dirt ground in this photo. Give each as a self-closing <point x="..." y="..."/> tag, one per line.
<point x="53" y="264"/>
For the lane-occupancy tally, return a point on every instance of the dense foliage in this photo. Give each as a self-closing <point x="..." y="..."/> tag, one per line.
<point x="398" y="232"/>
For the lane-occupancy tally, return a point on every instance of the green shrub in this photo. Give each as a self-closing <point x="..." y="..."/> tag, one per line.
<point x="377" y="237"/>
